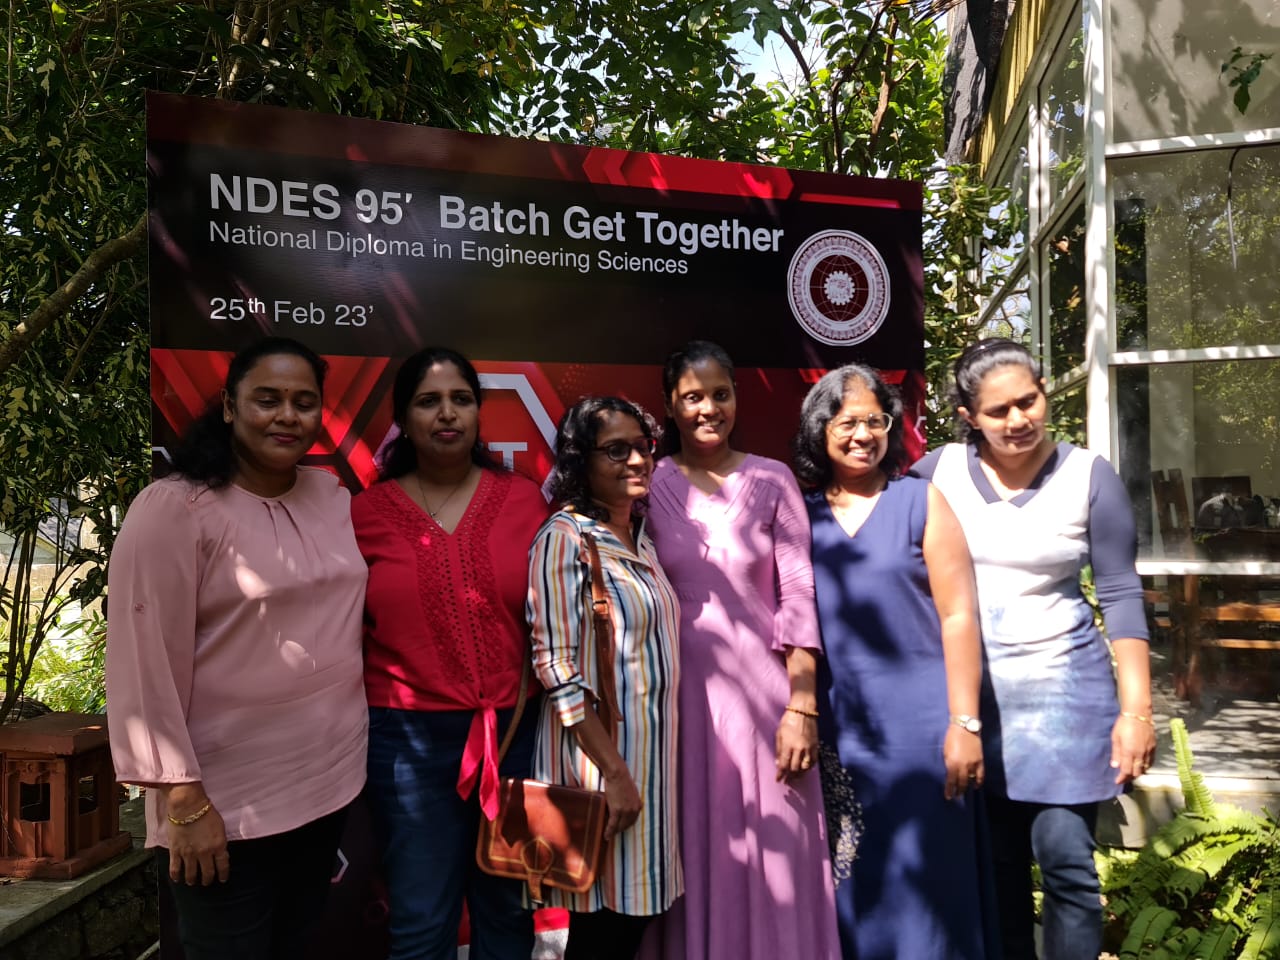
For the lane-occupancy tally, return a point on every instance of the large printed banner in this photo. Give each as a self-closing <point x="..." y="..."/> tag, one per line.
<point x="559" y="270"/>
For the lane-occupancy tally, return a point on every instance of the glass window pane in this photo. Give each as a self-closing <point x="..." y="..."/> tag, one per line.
<point x="1067" y="415"/>
<point x="1064" y="253"/>
<point x="42" y="554"/>
<point x="1197" y="250"/>
<point x="1167" y="59"/>
<point x="1012" y="316"/>
<point x="999" y="252"/>
<point x="1062" y="117"/>
<point x="1217" y="424"/>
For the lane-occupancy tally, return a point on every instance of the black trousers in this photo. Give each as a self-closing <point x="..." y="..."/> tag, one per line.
<point x="604" y="935"/>
<point x="276" y="890"/>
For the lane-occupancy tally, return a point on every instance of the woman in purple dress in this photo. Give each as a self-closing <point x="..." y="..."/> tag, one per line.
<point x="898" y="608"/>
<point x="733" y="537"/>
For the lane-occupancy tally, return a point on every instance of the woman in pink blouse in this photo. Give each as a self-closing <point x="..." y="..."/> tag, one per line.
<point x="446" y="534"/>
<point x="234" y="687"/>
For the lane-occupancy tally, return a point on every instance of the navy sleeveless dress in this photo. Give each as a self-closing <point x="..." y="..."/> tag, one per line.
<point x="920" y="887"/>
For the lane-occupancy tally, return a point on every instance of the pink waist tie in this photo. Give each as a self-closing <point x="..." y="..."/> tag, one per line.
<point x="480" y="759"/>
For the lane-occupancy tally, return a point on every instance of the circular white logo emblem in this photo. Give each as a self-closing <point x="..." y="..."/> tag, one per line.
<point x="838" y="287"/>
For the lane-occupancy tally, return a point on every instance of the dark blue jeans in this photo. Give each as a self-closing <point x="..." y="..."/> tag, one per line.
<point x="428" y="836"/>
<point x="1060" y="840"/>
<point x="276" y="890"/>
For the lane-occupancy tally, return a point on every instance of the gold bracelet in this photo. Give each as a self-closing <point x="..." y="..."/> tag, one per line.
<point x="804" y="713"/>
<point x="183" y="821"/>
<point x="1137" y="716"/>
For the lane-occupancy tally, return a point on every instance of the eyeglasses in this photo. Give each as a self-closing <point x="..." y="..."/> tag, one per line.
<point x="619" y="451"/>
<point x="876" y="423"/>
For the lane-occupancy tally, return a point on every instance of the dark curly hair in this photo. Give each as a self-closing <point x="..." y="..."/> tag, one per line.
<point x="204" y="452"/>
<point x="576" y="441"/>
<point x="978" y="360"/>
<point x="399" y="457"/>
<point x="695" y="351"/>
<point x="823" y="402"/>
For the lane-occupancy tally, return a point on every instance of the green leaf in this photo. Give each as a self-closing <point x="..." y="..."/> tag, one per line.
<point x="1241" y="98"/>
<point x="1217" y="943"/>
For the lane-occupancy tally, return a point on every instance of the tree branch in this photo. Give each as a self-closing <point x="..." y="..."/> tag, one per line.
<point x="8" y="90"/>
<point x="244" y="31"/>
<point x="107" y="307"/>
<point x="797" y="52"/>
<point x="887" y="85"/>
<point x="848" y="72"/>
<point x="58" y="302"/>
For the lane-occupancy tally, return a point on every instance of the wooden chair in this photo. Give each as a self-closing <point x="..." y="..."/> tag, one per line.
<point x="1202" y="614"/>
<point x="1173" y="520"/>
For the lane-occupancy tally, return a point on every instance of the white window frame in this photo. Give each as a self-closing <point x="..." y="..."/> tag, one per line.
<point x="1106" y="361"/>
<point x="1102" y="360"/>
<point x="1044" y="213"/>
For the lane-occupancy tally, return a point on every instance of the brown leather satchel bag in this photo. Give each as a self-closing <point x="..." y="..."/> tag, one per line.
<point x="546" y="834"/>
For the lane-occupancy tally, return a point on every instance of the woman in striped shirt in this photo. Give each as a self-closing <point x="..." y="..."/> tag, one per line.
<point x="604" y="461"/>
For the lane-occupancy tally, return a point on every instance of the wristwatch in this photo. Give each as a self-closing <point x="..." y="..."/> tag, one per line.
<point x="966" y="722"/>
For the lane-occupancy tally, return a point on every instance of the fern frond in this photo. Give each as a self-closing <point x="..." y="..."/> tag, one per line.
<point x="1180" y="944"/>
<point x="1217" y="943"/>
<point x="1196" y="795"/>
<point x="1216" y="856"/>
<point x="1158" y="859"/>
<point x="1206" y="885"/>
<point x="1263" y="942"/>
<point x="1182" y="884"/>
<point x="1188" y="853"/>
<point x="1188" y="828"/>
<point x="1226" y="908"/>
<point x="1148" y="931"/>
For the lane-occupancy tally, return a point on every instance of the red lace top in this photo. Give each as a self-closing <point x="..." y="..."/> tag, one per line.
<point x="444" y="623"/>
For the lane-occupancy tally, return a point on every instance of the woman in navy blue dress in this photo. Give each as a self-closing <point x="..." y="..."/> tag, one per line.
<point x="896" y="601"/>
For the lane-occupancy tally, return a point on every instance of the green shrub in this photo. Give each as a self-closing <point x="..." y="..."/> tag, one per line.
<point x="69" y="675"/>
<point x="1205" y="887"/>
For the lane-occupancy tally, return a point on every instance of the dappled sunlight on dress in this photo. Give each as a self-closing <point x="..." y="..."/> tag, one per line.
<point x="234" y="651"/>
<point x="757" y="874"/>
<point x="918" y="890"/>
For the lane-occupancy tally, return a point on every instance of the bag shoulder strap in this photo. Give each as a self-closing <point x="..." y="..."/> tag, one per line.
<point x="602" y="620"/>
<point x="602" y="629"/>
<point x="526" y="675"/>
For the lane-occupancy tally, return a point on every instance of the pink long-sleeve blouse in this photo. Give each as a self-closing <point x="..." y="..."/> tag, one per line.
<point x="233" y="651"/>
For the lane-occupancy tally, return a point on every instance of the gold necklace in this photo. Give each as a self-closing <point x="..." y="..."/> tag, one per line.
<point x="435" y="514"/>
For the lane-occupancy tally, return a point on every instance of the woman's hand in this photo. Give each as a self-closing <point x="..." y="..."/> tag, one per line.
<point x="796" y="743"/>
<point x="622" y="800"/>
<point x="197" y="850"/>
<point x="1133" y="745"/>
<point x="962" y="754"/>
<point x="1133" y="736"/>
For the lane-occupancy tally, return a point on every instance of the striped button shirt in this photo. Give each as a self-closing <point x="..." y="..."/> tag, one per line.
<point x="640" y="871"/>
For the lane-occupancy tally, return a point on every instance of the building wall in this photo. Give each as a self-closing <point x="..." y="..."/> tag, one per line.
<point x="1145" y="271"/>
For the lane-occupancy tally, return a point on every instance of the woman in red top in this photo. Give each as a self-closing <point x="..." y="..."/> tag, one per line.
<point x="446" y="533"/>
